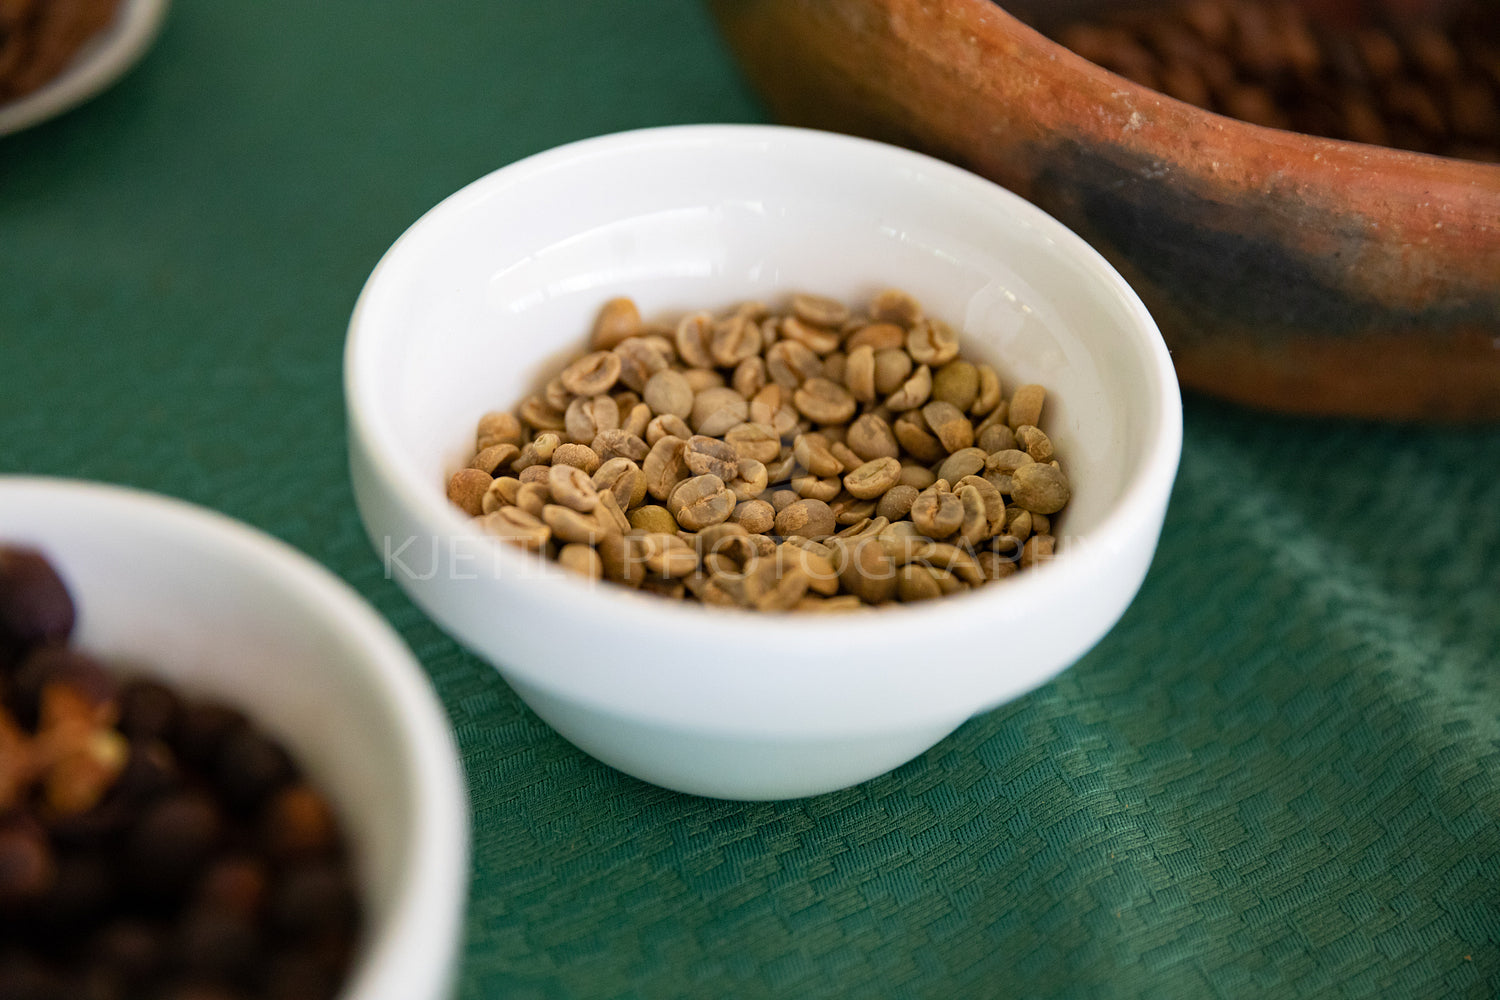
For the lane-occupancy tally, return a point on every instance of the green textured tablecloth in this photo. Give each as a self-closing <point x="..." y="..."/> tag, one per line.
<point x="1276" y="777"/>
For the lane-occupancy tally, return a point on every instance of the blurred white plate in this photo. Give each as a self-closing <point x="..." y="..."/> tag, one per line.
<point x="102" y="61"/>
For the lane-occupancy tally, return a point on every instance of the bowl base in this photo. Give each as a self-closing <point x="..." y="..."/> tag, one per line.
<point x="727" y="767"/>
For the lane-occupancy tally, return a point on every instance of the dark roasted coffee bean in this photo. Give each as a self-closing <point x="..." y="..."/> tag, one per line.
<point x="91" y="830"/>
<point x="192" y="990"/>
<point x="148" y="710"/>
<point x="202" y="729"/>
<point x="313" y="899"/>
<point x="28" y="868"/>
<point x="35" y="607"/>
<point x="130" y="946"/>
<point x="299" y="823"/>
<point x="97" y="982"/>
<point x="239" y="884"/>
<point x="150" y="770"/>
<point x="25" y="977"/>
<point x="250" y="768"/>
<point x="63" y="665"/>
<point x="216" y="943"/>
<point x="81" y="892"/>
<point x="171" y="841"/>
<point x="301" y="977"/>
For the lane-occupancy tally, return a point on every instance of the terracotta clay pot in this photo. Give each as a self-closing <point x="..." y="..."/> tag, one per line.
<point x="1289" y="272"/>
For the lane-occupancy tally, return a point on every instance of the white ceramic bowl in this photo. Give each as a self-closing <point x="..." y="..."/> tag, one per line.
<point x="222" y="610"/>
<point x="504" y="277"/>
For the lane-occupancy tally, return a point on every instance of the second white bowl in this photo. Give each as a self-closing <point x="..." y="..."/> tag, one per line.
<point x="223" y="611"/>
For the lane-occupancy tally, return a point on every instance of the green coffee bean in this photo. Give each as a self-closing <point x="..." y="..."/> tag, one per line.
<point x="931" y="342"/>
<point x="579" y="456"/>
<point x="700" y="501"/>
<point x="617" y="320"/>
<point x="592" y="374"/>
<point x="754" y="515"/>
<point x="770" y="586"/>
<point x="859" y="373"/>
<point x="957" y="384"/>
<point x="668" y="393"/>
<point x="752" y="480"/>
<point x="668" y="556"/>
<point x="650" y="517"/>
<point x="619" y="443"/>
<point x="937" y="514"/>
<point x="824" y="401"/>
<point x="1041" y="489"/>
<point x="571" y="486"/>
<point x="665" y="466"/>
<point x="1026" y="406"/>
<point x="912" y="431"/>
<point x="516" y="526"/>
<point x="889" y="466"/>
<point x="1038" y="549"/>
<point x="913" y="392"/>
<point x="706" y="455"/>
<point x="498" y="427"/>
<point x="756" y="441"/>
<point x="624" y="478"/>
<point x="949" y="425"/>
<point x="716" y="410"/>
<point x="814" y="338"/>
<point x="850" y="511"/>
<point x="872" y="479"/>
<point x="915" y="582"/>
<point x="733" y="340"/>
<point x="814" y="454"/>
<point x="866" y="571"/>
<point x="501" y="493"/>
<point x="492" y="458"/>
<point x="810" y="518"/>
<point x="895" y="306"/>
<point x="819" y="311"/>
<point x="1031" y="440"/>
<point x="870" y="437"/>
<point x="896" y="502"/>
<point x="996" y="437"/>
<point x="467" y="488"/>
<point x="986" y="393"/>
<point x="964" y="462"/>
<point x="813" y="488"/>
<point x="581" y="559"/>
<point x="749" y="377"/>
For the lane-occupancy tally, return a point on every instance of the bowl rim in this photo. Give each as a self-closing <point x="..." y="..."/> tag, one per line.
<point x="1131" y="512"/>
<point x="428" y="898"/>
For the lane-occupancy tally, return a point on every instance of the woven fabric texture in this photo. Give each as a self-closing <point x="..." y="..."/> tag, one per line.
<point x="1278" y="776"/>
